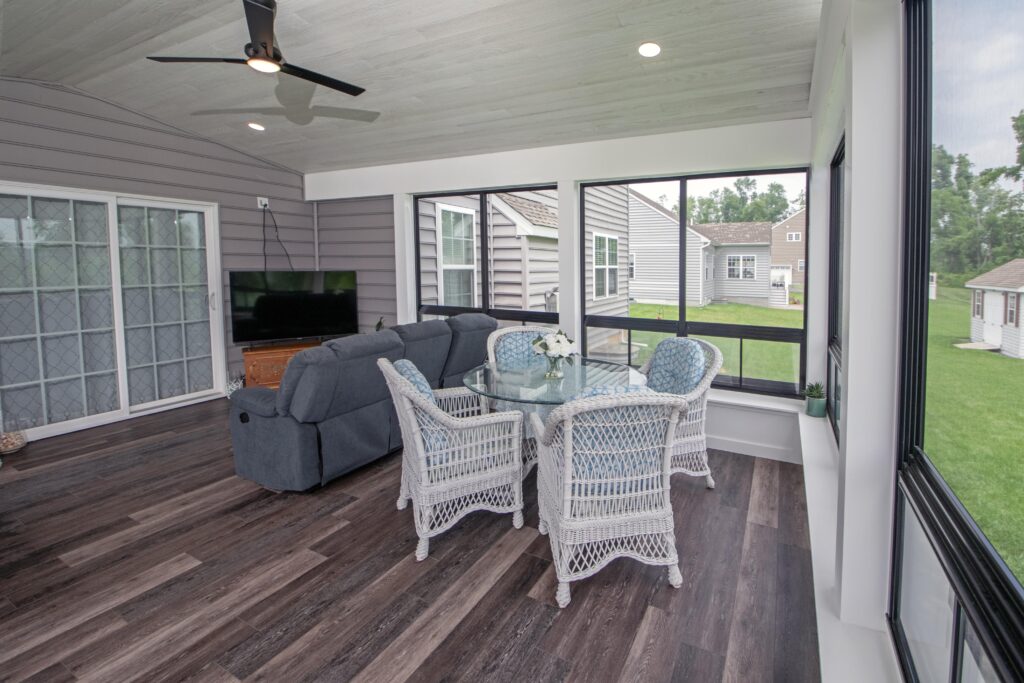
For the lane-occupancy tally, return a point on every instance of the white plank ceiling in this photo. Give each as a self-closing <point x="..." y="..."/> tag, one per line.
<point x="447" y="77"/>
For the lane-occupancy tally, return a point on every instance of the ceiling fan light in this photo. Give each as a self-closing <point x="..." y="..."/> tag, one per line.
<point x="263" y="65"/>
<point x="649" y="49"/>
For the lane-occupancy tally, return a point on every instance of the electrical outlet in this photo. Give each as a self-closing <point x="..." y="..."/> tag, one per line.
<point x="263" y="202"/>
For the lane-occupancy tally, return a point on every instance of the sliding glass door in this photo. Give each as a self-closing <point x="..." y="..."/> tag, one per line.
<point x="166" y="302"/>
<point x="105" y="308"/>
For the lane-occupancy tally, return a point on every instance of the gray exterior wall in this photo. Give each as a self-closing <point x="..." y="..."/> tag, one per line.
<point x="52" y="135"/>
<point x="759" y="287"/>
<point x="359" y="235"/>
<point x="654" y="239"/>
<point x="607" y="213"/>
<point x="429" y="243"/>
<point x="785" y="253"/>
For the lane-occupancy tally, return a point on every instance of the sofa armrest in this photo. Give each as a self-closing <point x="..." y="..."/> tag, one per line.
<point x="256" y="400"/>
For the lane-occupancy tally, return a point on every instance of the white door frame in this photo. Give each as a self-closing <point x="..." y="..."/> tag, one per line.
<point x="214" y="282"/>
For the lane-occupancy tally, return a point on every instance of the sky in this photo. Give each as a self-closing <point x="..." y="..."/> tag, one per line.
<point x="978" y="78"/>
<point x="793" y="182"/>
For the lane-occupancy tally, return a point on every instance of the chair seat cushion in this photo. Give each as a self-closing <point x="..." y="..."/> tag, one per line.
<point x="677" y="366"/>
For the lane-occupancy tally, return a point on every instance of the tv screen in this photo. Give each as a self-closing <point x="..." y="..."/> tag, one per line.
<point x="279" y="305"/>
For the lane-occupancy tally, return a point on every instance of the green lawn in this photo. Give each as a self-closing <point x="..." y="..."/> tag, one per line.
<point x="761" y="359"/>
<point x="974" y="407"/>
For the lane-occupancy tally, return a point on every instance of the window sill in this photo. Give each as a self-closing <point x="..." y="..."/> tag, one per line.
<point x="847" y="652"/>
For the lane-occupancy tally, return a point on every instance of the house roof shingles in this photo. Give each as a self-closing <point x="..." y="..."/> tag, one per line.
<point x="736" y="233"/>
<point x="535" y="212"/>
<point x="1007" y="276"/>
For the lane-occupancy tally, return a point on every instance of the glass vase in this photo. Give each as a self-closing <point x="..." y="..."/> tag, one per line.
<point x="554" y="368"/>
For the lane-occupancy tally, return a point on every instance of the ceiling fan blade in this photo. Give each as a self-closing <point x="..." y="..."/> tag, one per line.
<point x="191" y="60"/>
<point x="320" y="79"/>
<point x="259" y="15"/>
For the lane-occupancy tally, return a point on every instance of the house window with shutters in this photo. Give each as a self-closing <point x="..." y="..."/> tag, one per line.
<point x="1012" y="302"/>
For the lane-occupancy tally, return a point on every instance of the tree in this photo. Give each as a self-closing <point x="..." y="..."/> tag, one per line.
<point x="740" y="203"/>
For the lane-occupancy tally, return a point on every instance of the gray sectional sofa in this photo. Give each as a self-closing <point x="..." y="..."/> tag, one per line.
<point x="333" y="413"/>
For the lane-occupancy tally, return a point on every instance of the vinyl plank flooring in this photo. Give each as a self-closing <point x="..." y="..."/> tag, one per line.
<point x="131" y="551"/>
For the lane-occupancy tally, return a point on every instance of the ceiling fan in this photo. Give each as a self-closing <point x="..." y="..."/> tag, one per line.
<point x="263" y="54"/>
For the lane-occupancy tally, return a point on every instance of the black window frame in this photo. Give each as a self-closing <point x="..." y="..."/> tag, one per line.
<point x="483" y="239"/>
<point x="986" y="594"/>
<point x="683" y="327"/>
<point x="836" y="232"/>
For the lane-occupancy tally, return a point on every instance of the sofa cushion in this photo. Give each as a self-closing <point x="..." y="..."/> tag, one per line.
<point x="469" y="345"/>
<point x="407" y="369"/>
<point x="677" y="366"/>
<point x="339" y="376"/>
<point x="426" y="345"/>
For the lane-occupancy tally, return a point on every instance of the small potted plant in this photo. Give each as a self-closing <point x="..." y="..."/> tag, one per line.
<point x="555" y="346"/>
<point x="815" y="395"/>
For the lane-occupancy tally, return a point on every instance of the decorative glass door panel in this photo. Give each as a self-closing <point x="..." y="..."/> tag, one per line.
<point x="165" y="294"/>
<point x="57" y="345"/>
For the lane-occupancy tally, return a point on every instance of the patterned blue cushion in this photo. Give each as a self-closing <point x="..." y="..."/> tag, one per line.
<point x="677" y="366"/>
<point x="408" y="370"/>
<point x="616" y="439"/>
<point x="515" y="350"/>
<point x="433" y="440"/>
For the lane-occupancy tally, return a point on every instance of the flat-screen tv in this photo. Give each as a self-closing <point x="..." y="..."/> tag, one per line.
<point x="277" y="305"/>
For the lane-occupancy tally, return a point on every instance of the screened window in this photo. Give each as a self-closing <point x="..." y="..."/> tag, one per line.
<point x="741" y="267"/>
<point x="705" y="243"/>
<point x="606" y="266"/>
<point x="492" y="251"/>
<point x="964" y="221"/>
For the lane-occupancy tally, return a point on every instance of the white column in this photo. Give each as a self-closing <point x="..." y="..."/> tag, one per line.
<point x="405" y="257"/>
<point x="569" y="258"/>
<point x="871" y="343"/>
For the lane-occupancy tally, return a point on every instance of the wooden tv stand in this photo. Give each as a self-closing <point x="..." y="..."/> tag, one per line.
<point x="265" y="365"/>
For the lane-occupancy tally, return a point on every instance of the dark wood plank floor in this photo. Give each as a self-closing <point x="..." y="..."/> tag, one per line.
<point x="132" y="552"/>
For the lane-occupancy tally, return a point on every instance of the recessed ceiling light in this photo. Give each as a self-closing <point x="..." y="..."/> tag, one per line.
<point x="649" y="49"/>
<point x="256" y="126"/>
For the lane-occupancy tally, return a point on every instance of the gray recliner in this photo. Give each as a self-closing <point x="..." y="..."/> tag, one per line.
<point x="333" y="413"/>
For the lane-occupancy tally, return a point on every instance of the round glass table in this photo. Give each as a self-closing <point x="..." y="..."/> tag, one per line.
<point x="527" y="384"/>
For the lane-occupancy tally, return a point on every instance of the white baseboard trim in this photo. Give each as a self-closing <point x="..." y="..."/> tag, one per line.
<point x="758" y="450"/>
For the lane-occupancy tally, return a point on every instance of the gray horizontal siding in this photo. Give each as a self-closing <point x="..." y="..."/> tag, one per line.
<point x="654" y="239"/>
<point x="359" y="235"/>
<point x="760" y="286"/>
<point x="606" y="211"/>
<point x="52" y="135"/>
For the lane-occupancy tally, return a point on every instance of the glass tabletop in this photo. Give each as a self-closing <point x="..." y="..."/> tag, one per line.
<point x="527" y="384"/>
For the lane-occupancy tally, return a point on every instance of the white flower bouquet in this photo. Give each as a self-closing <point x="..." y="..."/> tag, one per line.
<point x="555" y="346"/>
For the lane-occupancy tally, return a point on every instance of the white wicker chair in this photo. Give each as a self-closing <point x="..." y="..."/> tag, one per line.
<point x="457" y="458"/>
<point x="690" y="451"/>
<point x="604" y="483"/>
<point x="510" y="347"/>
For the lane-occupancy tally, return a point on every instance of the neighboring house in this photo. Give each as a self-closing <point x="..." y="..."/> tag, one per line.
<point x="654" y="256"/>
<point x="995" y="307"/>
<point x="789" y="250"/>
<point x="741" y="260"/>
<point x="522" y="254"/>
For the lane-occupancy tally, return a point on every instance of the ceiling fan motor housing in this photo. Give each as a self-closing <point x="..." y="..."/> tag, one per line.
<point x="261" y="51"/>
